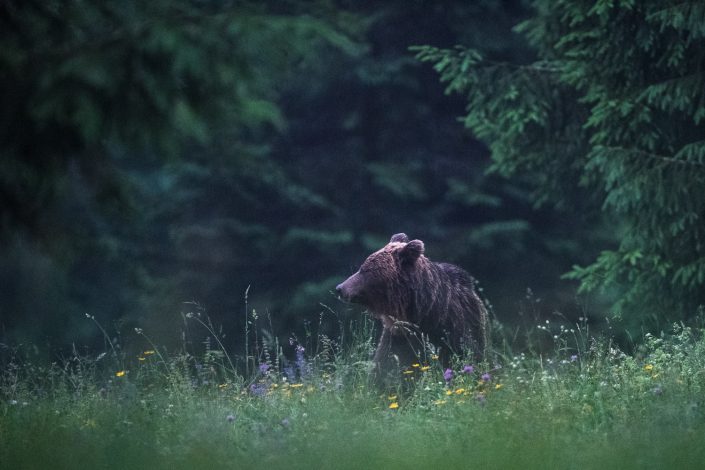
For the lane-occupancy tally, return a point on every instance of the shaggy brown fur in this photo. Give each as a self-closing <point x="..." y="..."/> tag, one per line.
<point x="414" y="296"/>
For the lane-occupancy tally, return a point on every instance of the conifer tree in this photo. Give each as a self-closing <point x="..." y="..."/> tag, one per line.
<point x="613" y="101"/>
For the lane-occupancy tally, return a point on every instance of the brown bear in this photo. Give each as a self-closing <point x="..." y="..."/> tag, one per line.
<point x="416" y="298"/>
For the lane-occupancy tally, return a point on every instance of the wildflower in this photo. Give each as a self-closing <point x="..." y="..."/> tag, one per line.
<point x="392" y="397"/>
<point x="424" y="368"/>
<point x="416" y="365"/>
<point x="573" y="358"/>
<point x="498" y="386"/>
<point x="407" y="372"/>
<point x="302" y="365"/>
<point x="434" y="357"/>
<point x="486" y="377"/>
<point x="258" y="389"/>
<point x="449" y="392"/>
<point x="140" y="358"/>
<point x="439" y="402"/>
<point x="264" y="368"/>
<point x="468" y="369"/>
<point x="148" y="352"/>
<point x="649" y="367"/>
<point x="230" y="418"/>
<point x="296" y="385"/>
<point x="285" y="423"/>
<point x="222" y="386"/>
<point x="120" y="373"/>
<point x="448" y="375"/>
<point x="459" y="391"/>
<point x="393" y="406"/>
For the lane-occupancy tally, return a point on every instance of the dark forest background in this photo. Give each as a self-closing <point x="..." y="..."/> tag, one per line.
<point x="164" y="153"/>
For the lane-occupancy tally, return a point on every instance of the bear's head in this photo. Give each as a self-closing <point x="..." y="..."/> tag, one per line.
<point x="379" y="284"/>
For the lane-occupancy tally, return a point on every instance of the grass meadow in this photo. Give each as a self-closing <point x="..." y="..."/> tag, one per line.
<point x="576" y="401"/>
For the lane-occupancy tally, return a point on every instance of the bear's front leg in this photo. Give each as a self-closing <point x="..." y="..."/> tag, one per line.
<point x="397" y="350"/>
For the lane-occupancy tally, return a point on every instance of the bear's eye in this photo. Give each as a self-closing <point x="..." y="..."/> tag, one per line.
<point x="367" y="268"/>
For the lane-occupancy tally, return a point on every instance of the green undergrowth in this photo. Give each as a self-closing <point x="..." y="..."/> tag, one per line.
<point x="583" y="404"/>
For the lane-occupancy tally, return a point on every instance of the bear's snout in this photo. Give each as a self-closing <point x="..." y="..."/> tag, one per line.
<point x="347" y="290"/>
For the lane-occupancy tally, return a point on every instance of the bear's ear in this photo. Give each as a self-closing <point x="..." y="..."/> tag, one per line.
<point x="411" y="252"/>
<point x="399" y="237"/>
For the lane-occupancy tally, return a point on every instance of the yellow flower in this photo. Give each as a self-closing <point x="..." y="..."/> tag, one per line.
<point x="296" y="385"/>
<point x="424" y="368"/>
<point x="498" y="386"/>
<point x="393" y="406"/>
<point x="392" y="397"/>
<point x="149" y="352"/>
<point x="434" y="357"/>
<point x="649" y="367"/>
<point x="407" y="372"/>
<point x="449" y="392"/>
<point x="439" y="402"/>
<point x="459" y="391"/>
<point x="120" y="373"/>
<point x="415" y="365"/>
<point x="141" y="359"/>
<point x="222" y="385"/>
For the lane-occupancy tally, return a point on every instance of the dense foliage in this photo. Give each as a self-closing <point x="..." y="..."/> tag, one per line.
<point x="170" y="152"/>
<point x="615" y="102"/>
<point x="122" y="121"/>
<point x="156" y="153"/>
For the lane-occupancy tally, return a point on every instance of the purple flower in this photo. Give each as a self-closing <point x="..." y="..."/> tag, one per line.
<point x="573" y="358"/>
<point x="230" y="418"/>
<point x="486" y="377"/>
<point x="301" y="363"/>
<point x="289" y="373"/>
<point x="263" y="368"/>
<point x="258" y="389"/>
<point x="448" y="375"/>
<point x="468" y="369"/>
<point x="300" y="354"/>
